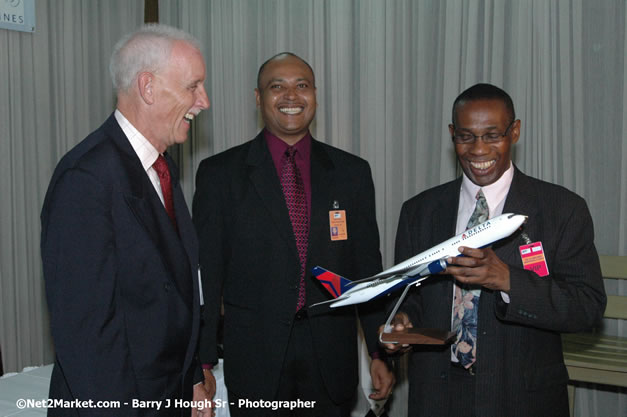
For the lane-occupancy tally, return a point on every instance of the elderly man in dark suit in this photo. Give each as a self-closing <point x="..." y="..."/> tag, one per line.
<point x="507" y="312"/>
<point x="118" y="245"/>
<point x="263" y="211"/>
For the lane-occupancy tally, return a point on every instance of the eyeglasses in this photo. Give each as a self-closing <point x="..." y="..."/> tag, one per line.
<point x="467" y="138"/>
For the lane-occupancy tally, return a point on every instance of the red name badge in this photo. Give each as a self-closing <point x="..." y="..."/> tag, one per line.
<point x="533" y="259"/>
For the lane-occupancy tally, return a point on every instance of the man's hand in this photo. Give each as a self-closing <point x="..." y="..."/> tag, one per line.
<point x="399" y="323"/>
<point x="382" y="379"/>
<point x="479" y="267"/>
<point x="201" y="396"/>
<point x="210" y="383"/>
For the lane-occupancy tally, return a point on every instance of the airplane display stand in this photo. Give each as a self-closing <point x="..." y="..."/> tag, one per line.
<point x="422" y="336"/>
<point x="411" y="336"/>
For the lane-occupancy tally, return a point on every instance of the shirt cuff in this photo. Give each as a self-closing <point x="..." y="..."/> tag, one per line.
<point x="505" y="297"/>
<point x="377" y="354"/>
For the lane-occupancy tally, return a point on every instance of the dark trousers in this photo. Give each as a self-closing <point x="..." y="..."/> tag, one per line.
<point x="300" y="380"/>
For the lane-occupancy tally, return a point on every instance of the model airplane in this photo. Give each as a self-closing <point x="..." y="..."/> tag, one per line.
<point x="416" y="269"/>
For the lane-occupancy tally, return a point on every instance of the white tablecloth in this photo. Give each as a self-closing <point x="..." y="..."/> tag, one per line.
<point x="32" y="383"/>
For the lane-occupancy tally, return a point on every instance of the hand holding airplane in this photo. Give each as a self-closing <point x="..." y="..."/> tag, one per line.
<point x="479" y="267"/>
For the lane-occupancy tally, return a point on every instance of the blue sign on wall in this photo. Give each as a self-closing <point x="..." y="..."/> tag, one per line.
<point x="17" y="15"/>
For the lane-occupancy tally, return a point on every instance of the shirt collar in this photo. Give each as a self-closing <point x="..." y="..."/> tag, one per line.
<point x="494" y="193"/>
<point x="146" y="153"/>
<point x="278" y="147"/>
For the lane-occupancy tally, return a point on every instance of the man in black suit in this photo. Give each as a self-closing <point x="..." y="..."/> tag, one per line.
<point x="507" y="356"/>
<point x="262" y="211"/>
<point x="119" y="249"/>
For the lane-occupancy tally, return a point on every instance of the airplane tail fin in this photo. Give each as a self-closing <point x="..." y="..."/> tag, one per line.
<point x="335" y="284"/>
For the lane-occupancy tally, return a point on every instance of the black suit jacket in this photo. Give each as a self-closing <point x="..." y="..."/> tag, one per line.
<point x="248" y="253"/>
<point x="121" y="284"/>
<point x="520" y="368"/>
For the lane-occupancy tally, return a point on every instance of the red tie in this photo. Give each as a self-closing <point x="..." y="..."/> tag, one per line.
<point x="161" y="166"/>
<point x="296" y="200"/>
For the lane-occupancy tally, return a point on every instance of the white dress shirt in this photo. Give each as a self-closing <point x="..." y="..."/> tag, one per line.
<point x="146" y="153"/>
<point x="494" y="193"/>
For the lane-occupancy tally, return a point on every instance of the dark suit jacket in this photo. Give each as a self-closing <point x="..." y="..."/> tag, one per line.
<point x="122" y="285"/>
<point x="248" y="253"/>
<point x="520" y="368"/>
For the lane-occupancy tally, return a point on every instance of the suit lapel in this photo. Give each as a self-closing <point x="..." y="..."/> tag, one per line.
<point x="187" y="283"/>
<point x="175" y="256"/>
<point x="185" y="226"/>
<point x="444" y="228"/>
<point x="521" y="199"/>
<point x="446" y="221"/>
<point x="262" y="174"/>
<point x="185" y="239"/>
<point x="144" y="203"/>
<point x="321" y="185"/>
<point x="134" y="181"/>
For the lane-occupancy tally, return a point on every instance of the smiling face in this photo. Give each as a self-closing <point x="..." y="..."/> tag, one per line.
<point x="286" y="97"/>
<point x="179" y="95"/>
<point x="484" y="163"/>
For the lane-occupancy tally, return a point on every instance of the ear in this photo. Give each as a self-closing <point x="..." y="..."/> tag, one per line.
<point x="145" y="83"/>
<point x="258" y="97"/>
<point x="451" y="129"/>
<point x="516" y="131"/>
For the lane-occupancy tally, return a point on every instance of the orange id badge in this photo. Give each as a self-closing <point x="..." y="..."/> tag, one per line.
<point x="337" y="224"/>
<point x="533" y="259"/>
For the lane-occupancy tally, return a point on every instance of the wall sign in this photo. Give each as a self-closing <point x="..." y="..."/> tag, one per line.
<point x="17" y="15"/>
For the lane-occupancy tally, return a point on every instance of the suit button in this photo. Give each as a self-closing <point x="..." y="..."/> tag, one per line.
<point x="443" y="375"/>
<point x="166" y="287"/>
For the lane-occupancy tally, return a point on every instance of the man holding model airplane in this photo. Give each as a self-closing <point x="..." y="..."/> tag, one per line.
<point x="507" y="303"/>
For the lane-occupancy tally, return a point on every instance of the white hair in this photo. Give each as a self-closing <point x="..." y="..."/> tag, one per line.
<point x="146" y="49"/>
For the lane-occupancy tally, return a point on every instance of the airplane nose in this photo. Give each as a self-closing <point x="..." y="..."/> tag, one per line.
<point x="511" y="216"/>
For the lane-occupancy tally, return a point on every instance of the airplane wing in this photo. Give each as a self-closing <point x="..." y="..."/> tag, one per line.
<point x="333" y="300"/>
<point x="374" y="277"/>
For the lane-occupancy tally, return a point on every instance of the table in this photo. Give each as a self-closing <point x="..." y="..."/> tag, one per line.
<point x="31" y="383"/>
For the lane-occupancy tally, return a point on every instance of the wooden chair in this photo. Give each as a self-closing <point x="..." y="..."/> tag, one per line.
<point x="594" y="357"/>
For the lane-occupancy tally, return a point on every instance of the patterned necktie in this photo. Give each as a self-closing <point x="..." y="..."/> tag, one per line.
<point x="296" y="200"/>
<point x="161" y="166"/>
<point x="466" y="302"/>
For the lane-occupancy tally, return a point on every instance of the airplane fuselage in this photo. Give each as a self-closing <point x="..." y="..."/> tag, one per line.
<point x="366" y="291"/>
